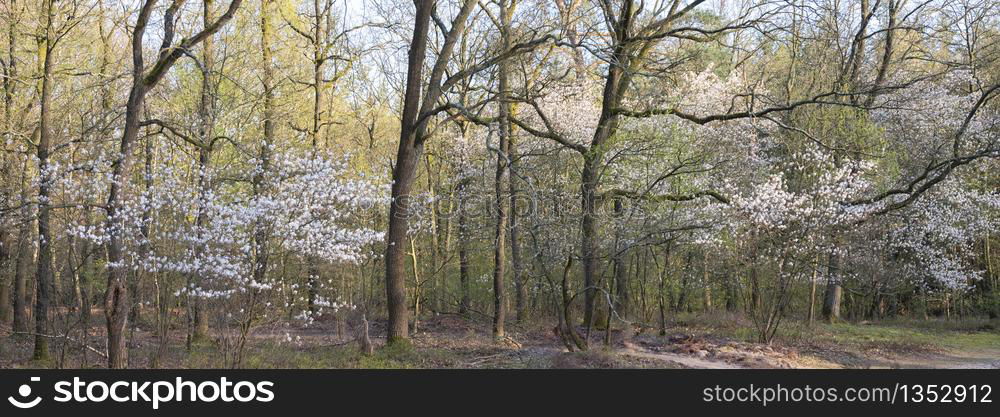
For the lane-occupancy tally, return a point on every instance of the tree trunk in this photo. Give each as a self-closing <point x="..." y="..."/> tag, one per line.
<point x="520" y="282"/>
<point x="503" y="156"/>
<point x="206" y="116"/>
<point x="144" y="249"/>
<point x="437" y="243"/>
<point x="831" y="302"/>
<point x="593" y="159"/>
<point x="312" y="284"/>
<point x="10" y="71"/>
<point x="364" y="340"/>
<point x="567" y="310"/>
<point x="412" y="133"/>
<point x="812" y="294"/>
<point x="116" y="297"/>
<point x="499" y="251"/>
<point x="588" y="232"/>
<point x="621" y="278"/>
<point x="25" y="255"/>
<point x="6" y="313"/>
<point x="732" y="297"/>
<point x="682" y="298"/>
<point x="706" y="281"/>
<point x="260" y="238"/>
<point x="314" y="134"/>
<point x="198" y="319"/>
<point x="43" y="276"/>
<point x="403" y="175"/>
<point x="416" y="286"/>
<point x="463" y="252"/>
<point x="395" y="262"/>
<point x="86" y="274"/>
<point x="661" y="303"/>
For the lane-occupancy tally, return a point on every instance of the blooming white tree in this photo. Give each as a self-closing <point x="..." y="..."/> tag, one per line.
<point x="315" y="207"/>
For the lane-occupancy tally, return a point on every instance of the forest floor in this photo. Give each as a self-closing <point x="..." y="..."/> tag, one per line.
<point x="450" y="341"/>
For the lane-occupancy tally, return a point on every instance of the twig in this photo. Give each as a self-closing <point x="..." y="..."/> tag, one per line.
<point x="487" y="358"/>
<point x="66" y="337"/>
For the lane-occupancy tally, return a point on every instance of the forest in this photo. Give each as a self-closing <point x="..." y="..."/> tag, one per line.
<point x="499" y="183"/>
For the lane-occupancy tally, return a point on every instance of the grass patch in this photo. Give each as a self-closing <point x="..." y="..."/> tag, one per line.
<point x="911" y="335"/>
<point x="44" y="363"/>
<point x="892" y="334"/>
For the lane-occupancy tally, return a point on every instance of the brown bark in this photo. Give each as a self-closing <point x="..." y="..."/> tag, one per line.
<point x="463" y="251"/>
<point x="682" y="296"/>
<point x="615" y="84"/>
<point x="437" y="229"/>
<point x="520" y="278"/>
<point x="412" y="134"/>
<point x="857" y="52"/>
<point x="116" y="297"/>
<point x="25" y="255"/>
<point x="403" y="173"/>
<point x="206" y="116"/>
<point x="72" y="269"/>
<point x="569" y="331"/>
<point x="9" y="72"/>
<point x="6" y="309"/>
<point x="588" y="232"/>
<point x="416" y="286"/>
<point x="888" y="49"/>
<point x="621" y="279"/>
<point x="43" y="271"/>
<point x="503" y="156"/>
<point x="660" y="291"/>
<point x="499" y="252"/>
<point x="732" y="296"/>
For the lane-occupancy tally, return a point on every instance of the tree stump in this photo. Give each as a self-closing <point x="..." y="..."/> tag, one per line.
<point x="365" y="341"/>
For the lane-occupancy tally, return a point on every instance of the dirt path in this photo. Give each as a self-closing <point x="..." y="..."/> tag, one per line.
<point x="986" y="359"/>
<point x="978" y="359"/>
<point x="685" y="360"/>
